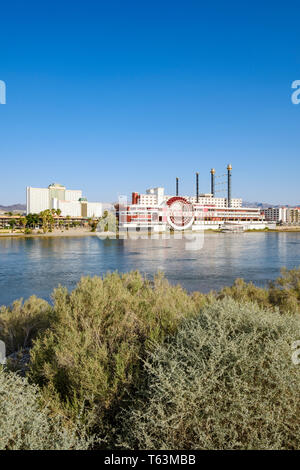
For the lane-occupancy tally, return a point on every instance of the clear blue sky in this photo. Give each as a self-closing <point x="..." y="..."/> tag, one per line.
<point x="117" y="96"/>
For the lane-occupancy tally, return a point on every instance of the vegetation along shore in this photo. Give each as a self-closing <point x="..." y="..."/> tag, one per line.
<point x="51" y="223"/>
<point x="124" y="362"/>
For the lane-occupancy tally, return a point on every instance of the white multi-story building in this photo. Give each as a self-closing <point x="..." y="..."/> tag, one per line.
<point x="152" y="196"/>
<point x="69" y="202"/>
<point x="157" y="196"/>
<point x="94" y="209"/>
<point x="37" y="200"/>
<point x="285" y="215"/>
<point x="275" y="214"/>
<point x="68" y="208"/>
<point x="73" y="195"/>
<point x="293" y="215"/>
<point x="219" y="202"/>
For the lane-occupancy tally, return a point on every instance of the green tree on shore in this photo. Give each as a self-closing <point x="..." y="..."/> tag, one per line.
<point x="23" y="222"/>
<point x="47" y="220"/>
<point x="32" y="220"/>
<point x="12" y="223"/>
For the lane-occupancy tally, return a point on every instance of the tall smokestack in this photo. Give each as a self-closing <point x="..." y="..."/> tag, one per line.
<point x="135" y="198"/>
<point x="229" y="168"/>
<point x="197" y="187"/>
<point x="212" y="181"/>
<point x="177" y="186"/>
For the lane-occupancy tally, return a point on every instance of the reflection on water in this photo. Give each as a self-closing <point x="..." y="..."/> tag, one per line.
<point x="37" y="265"/>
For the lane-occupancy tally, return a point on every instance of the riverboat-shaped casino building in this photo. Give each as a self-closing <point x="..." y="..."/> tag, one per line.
<point x="158" y="212"/>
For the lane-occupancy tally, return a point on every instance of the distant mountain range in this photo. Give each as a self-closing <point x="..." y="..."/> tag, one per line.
<point x="265" y="205"/>
<point x="13" y="207"/>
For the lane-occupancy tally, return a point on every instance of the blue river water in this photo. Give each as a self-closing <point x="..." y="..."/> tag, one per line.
<point x="37" y="265"/>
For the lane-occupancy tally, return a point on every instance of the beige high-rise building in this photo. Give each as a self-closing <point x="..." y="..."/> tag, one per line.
<point x="70" y="202"/>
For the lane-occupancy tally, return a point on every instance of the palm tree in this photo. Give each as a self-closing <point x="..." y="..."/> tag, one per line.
<point x="51" y="221"/>
<point x="47" y="220"/>
<point x="23" y="222"/>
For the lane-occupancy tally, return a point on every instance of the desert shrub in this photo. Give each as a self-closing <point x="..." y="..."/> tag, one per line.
<point x="243" y="291"/>
<point x="21" y="323"/>
<point x="92" y="352"/>
<point x="283" y="293"/>
<point x="26" y="425"/>
<point x="225" y="381"/>
<point x="290" y="280"/>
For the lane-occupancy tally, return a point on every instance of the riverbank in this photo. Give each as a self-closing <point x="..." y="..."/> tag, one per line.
<point x="83" y="232"/>
<point x="72" y="232"/>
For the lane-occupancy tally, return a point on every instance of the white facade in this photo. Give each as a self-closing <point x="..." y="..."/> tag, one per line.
<point x="37" y="200"/>
<point x="69" y="208"/>
<point x="219" y="202"/>
<point x="157" y="196"/>
<point x="153" y="196"/>
<point x="286" y="215"/>
<point x="203" y="217"/>
<point x="77" y="208"/>
<point x="56" y="196"/>
<point x="94" y="209"/>
<point x="276" y="214"/>
<point x="293" y="215"/>
<point x="73" y="195"/>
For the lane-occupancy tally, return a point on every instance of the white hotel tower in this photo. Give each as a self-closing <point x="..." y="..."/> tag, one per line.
<point x="70" y="202"/>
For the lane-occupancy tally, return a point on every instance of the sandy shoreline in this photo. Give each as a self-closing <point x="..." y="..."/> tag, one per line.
<point x="77" y="232"/>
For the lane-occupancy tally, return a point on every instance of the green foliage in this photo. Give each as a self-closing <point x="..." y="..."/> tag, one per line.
<point x="47" y="217"/>
<point x="12" y="223"/>
<point x="23" y="321"/>
<point x="92" y="352"/>
<point x="23" y="222"/>
<point x="218" y="372"/>
<point x="27" y="425"/>
<point x="242" y="291"/>
<point x="283" y="293"/>
<point x="225" y="381"/>
<point x="32" y="220"/>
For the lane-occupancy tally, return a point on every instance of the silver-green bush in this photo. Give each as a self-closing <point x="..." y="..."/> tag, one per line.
<point x="26" y="425"/>
<point x="225" y="381"/>
<point x="91" y="354"/>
